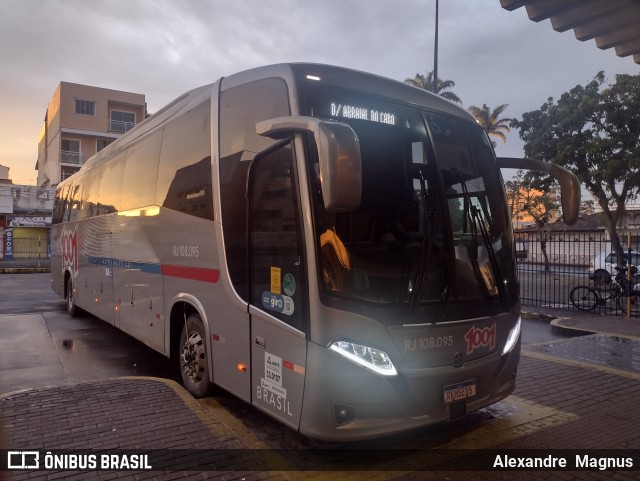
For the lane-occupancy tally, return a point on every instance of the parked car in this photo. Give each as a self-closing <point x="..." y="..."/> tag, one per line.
<point x="609" y="260"/>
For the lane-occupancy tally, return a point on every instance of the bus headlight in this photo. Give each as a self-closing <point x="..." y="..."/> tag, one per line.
<point x="512" y="338"/>
<point x="369" y="357"/>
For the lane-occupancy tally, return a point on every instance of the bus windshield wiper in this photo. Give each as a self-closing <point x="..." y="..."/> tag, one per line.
<point x="427" y="243"/>
<point x="476" y="219"/>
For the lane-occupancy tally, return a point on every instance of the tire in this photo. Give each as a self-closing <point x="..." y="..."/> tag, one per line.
<point x="635" y="303"/>
<point x="601" y="277"/>
<point x="193" y="359"/>
<point x="72" y="309"/>
<point x="584" y="298"/>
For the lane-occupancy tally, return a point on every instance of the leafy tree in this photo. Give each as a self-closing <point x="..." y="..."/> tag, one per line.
<point x="531" y="200"/>
<point x="491" y="122"/>
<point x="594" y="130"/>
<point x="441" y="87"/>
<point x="587" y="207"/>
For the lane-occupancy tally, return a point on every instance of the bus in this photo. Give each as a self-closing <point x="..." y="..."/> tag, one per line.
<point x="330" y="246"/>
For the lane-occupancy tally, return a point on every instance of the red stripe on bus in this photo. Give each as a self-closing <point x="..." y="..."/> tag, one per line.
<point x="194" y="273"/>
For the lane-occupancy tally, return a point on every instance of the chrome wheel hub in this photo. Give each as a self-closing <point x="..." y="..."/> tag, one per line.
<point x="193" y="359"/>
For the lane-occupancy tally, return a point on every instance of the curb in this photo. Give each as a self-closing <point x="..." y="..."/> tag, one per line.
<point x="560" y="329"/>
<point x="536" y="316"/>
<point x="556" y="325"/>
<point x="24" y="270"/>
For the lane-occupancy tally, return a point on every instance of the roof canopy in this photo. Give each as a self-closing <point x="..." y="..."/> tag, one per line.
<point x="613" y="23"/>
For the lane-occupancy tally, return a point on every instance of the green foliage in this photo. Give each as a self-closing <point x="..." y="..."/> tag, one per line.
<point x="491" y="122"/>
<point x="441" y="88"/>
<point x="594" y="130"/>
<point x="532" y="197"/>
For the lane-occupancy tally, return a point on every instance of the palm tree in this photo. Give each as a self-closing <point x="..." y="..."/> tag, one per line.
<point x="490" y="122"/>
<point x="426" y="83"/>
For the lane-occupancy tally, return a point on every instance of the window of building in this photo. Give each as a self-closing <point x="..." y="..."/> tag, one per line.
<point x="71" y="145"/>
<point x="121" y="121"/>
<point x="70" y="151"/>
<point x="102" y="143"/>
<point x="67" y="172"/>
<point x="85" y="107"/>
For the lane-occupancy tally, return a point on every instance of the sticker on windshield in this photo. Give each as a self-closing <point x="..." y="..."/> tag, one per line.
<point x="277" y="303"/>
<point x="275" y="280"/>
<point x="289" y="284"/>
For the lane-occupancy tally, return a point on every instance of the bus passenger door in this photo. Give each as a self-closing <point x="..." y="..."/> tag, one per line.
<point x="278" y="289"/>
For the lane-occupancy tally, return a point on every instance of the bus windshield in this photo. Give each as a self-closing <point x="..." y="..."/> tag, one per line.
<point x="432" y="226"/>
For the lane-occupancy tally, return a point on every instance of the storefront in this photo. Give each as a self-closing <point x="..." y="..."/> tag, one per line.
<point x="26" y="237"/>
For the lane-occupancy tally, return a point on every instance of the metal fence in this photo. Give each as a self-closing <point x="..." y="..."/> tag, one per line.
<point x="571" y="258"/>
<point x="27" y="253"/>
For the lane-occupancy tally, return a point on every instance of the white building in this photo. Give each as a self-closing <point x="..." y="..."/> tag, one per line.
<point x="25" y="219"/>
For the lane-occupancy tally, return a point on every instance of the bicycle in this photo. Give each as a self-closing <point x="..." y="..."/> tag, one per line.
<point x="586" y="298"/>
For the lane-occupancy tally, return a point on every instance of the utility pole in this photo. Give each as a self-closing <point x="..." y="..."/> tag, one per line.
<point x="435" y="55"/>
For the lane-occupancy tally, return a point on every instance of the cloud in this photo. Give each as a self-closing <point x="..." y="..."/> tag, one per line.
<point x="162" y="48"/>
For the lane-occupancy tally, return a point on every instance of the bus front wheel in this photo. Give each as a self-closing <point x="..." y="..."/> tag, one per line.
<point x="194" y="366"/>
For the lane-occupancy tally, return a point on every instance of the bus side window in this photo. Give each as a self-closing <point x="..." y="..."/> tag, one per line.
<point x="90" y="193"/>
<point x="184" y="174"/>
<point x="275" y="239"/>
<point x="59" y="205"/>
<point x="241" y="107"/>
<point x="111" y="185"/>
<point x="75" y="200"/>
<point x="141" y="172"/>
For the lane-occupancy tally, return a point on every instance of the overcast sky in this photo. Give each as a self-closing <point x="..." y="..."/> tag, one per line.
<point x="162" y="48"/>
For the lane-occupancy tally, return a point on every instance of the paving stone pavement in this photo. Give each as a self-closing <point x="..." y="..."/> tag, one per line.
<point x="119" y="415"/>
<point x="593" y="400"/>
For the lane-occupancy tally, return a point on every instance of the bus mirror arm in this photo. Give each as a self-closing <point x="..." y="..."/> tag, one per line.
<point x="338" y="155"/>
<point x="569" y="183"/>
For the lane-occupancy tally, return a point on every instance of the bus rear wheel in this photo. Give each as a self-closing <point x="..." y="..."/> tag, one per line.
<point x="194" y="366"/>
<point x="72" y="309"/>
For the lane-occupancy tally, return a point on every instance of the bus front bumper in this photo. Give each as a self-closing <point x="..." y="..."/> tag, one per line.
<point x="346" y="402"/>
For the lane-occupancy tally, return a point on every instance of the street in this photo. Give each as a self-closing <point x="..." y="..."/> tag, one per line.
<point x="564" y="381"/>
<point x="27" y="293"/>
<point x="87" y="348"/>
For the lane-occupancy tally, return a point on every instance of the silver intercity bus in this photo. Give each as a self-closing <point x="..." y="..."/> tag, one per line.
<point x="332" y="247"/>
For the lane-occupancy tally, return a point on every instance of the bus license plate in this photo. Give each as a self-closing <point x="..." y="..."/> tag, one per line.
<point x="461" y="390"/>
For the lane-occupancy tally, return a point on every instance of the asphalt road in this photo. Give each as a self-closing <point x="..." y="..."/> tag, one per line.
<point x="564" y="399"/>
<point x="27" y="293"/>
<point x="41" y="346"/>
<point x="73" y="350"/>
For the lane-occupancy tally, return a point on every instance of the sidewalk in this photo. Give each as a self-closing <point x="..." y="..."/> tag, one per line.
<point x="586" y="322"/>
<point x="580" y="404"/>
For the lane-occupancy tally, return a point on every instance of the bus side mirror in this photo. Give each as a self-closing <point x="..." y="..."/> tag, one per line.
<point x="338" y="155"/>
<point x="569" y="183"/>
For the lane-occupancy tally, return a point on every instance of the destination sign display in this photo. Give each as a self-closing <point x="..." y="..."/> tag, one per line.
<point x="360" y="112"/>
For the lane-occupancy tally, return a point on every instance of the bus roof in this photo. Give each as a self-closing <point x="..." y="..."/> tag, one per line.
<point x="339" y="76"/>
<point x="355" y="80"/>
